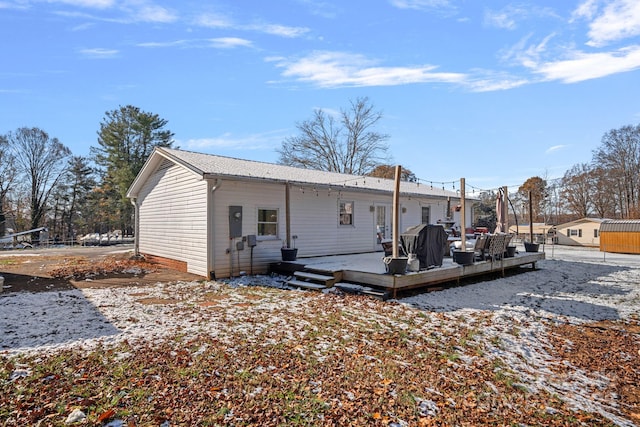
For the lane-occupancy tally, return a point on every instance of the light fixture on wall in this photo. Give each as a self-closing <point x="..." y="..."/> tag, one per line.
<point x="372" y="208"/>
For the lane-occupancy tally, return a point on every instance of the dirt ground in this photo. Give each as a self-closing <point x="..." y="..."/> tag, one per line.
<point x="48" y="269"/>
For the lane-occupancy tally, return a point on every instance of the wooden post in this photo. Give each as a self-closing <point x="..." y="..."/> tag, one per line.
<point x="396" y="210"/>
<point x="530" y="218"/>
<point x="287" y="213"/>
<point x="463" y="216"/>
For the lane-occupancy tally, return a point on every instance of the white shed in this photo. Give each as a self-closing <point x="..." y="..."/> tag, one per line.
<point x="216" y="216"/>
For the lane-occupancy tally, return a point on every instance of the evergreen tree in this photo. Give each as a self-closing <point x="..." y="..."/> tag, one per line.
<point x="126" y="138"/>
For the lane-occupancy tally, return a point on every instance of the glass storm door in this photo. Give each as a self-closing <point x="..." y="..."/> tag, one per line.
<point x="383" y="222"/>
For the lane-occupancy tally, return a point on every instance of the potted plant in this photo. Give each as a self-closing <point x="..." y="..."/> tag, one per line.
<point x="463" y="257"/>
<point x="289" y="254"/>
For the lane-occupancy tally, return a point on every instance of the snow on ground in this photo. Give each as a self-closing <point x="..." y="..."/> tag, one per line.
<point x="572" y="285"/>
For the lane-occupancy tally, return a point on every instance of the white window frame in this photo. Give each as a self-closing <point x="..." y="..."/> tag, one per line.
<point x="258" y="222"/>
<point x="342" y="214"/>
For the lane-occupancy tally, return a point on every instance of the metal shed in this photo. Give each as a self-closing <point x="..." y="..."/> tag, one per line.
<point x="620" y="236"/>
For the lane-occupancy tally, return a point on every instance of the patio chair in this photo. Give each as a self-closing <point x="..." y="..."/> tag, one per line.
<point x="496" y="247"/>
<point x="480" y="247"/>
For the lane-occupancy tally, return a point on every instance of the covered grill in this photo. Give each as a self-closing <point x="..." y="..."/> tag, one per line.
<point x="427" y="242"/>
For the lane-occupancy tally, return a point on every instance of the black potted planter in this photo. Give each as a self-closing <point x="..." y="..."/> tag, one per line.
<point x="510" y="252"/>
<point x="396" y="265"/>
<point x="531" y="247"/>
<point x="289" y="254"/>
<point x="463" y="257"/>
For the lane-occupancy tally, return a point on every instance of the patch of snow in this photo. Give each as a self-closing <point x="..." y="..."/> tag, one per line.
<point x="572" y="285"/>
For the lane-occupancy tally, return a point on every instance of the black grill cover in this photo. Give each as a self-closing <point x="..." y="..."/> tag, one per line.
<point x="428" y="242"/>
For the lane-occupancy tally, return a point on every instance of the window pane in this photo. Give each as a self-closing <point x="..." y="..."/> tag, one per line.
<point x="267" y="229"/>
<point x="267" y="215"/>
<point x="346" y="213"/>
<point x="267" y="222"/>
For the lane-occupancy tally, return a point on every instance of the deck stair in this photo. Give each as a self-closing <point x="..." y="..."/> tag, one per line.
<point x="306" y="279"/>
<point x="358" y="289"/>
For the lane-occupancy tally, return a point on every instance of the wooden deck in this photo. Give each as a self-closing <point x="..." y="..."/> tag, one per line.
<point x="369" y="270"/>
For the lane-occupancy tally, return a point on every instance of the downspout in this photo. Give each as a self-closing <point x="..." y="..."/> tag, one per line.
<point x="210" y="231"/>
<point x="136" y="227"/>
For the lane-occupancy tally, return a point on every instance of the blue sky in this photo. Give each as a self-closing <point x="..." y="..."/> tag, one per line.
<point x="494" y="93"/>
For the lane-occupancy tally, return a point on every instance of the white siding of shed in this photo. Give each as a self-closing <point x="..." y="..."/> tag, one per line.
<point x="173" y="217"/>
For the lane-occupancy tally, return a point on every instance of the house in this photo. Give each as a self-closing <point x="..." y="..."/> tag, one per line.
<point x="620" y="236"/>
<point x="581" y="232"/>
<point x="522" y="231"/>
<point x="217" y="216"/>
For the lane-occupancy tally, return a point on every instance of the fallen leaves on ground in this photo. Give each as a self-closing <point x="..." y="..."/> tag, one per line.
<point x="291" y="358"/>
<point x="78" y="268"/>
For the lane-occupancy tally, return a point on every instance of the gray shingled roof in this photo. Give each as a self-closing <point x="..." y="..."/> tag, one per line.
<point x="213" y="166"/>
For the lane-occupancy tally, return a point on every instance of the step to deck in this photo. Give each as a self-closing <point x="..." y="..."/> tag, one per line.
<point x="315" y="277"/>
<point x="305" y="285"/>
<point x="357" y="289"/>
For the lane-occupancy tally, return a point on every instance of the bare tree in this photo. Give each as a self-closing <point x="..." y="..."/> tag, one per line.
<point x="42" y="161"/>
<point x="7" y="178"/>
<point x="620" y="154"/>
<point x="389" y="172"/>
<point x="539" y="195"/>
<point x="603" y="195"/>
<point x="577" y="187"/>
<point x="347" y="146"/>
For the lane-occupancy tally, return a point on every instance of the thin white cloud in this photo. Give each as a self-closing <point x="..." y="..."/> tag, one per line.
<point x="510" y="16"/>
<point x="280" y="30"/>
<point x="493" y="83"/>
<point x="228" y="140"/>
<point x="219" y="21"/>
<point x="339" y="69"/>
<point x="99" y="53"/>
<point x="153" y="13"/>
<point x="504" y="19"/>
<point x="92" y="4"/>
<point x="555" y="148"/>
<point x="229" y="42"/>
<point x="585" y="66"/>
<point x="420" y="4"/>
<point x="219" y="43"/>
<point x="124" y="11"/>
<point x="174" y="43"/>
<point x="213" y="20"/>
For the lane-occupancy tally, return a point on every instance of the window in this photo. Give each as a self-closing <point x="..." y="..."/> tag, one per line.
<point x="346" y="213"/>
<point x="596" y="233"/>
<point x="574" y="233"/>
<point x="268" y="222"/>
<point x="426" y="215"/>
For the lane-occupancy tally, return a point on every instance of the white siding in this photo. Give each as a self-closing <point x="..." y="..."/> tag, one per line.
<point x="587" y="228"/>
<point x="251" y="196"/>
<point x="314" y="219"/>
<point x="173" y="217"/>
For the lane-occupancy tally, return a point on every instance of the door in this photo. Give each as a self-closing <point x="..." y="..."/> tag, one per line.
<point x="383" y="222"/>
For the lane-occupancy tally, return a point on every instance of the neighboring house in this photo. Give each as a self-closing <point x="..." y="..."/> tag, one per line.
<point x="217" y="216"/>
<point x="581" y="232"/>
<point x="523" y="232"/>
<point x="620" y="236"/>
